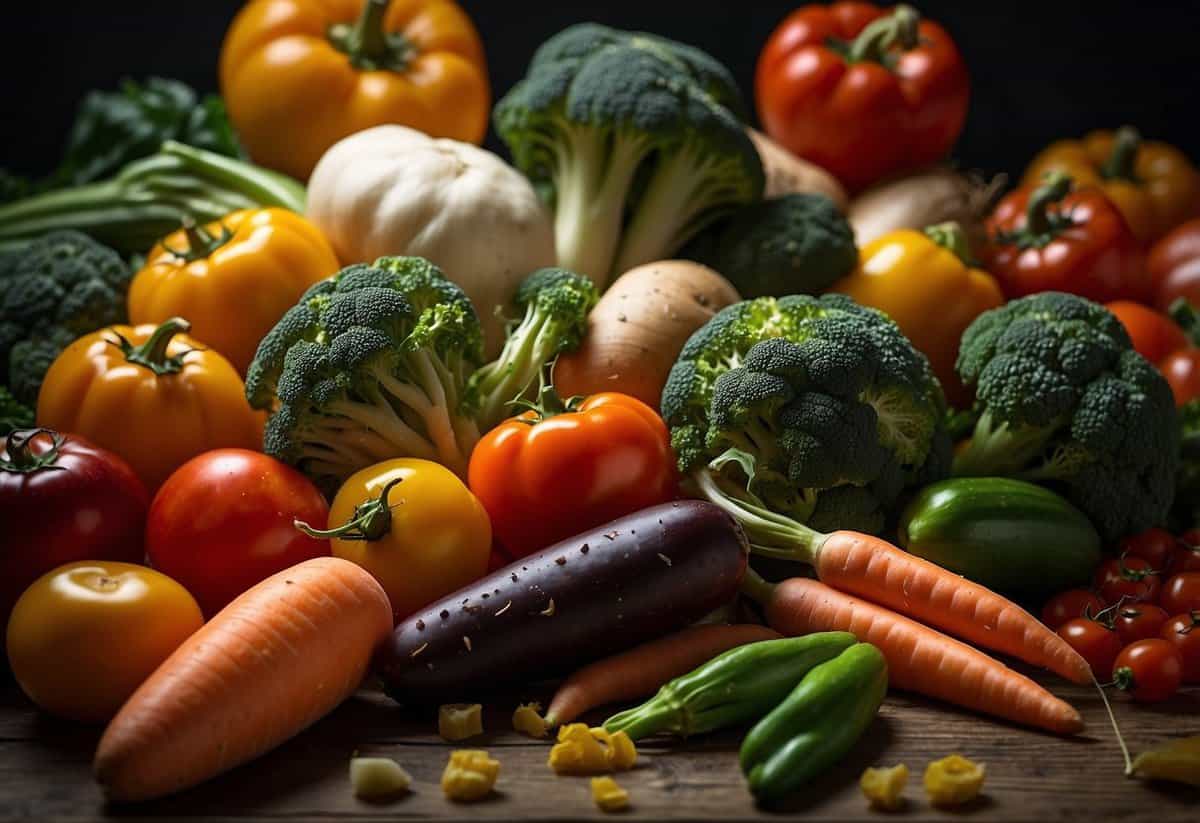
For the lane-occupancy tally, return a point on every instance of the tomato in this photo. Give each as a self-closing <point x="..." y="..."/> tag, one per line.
<point x="85" y="635"/>
<point x="1150" y="670"/>
<point x="1095" y="642"/>
<point x="1154" y="334"/>
<point x="1186" y="557"/>
<point x="1182" y="370"/>
<point x="224" y="521"/>
<point x="1129" y="578"/>
<point x="556" y="471"/>
<point x="415" y="527"/>
<point x="1155" y="546"/>
<point x="1138" y="622"/>
<point x="1174" y="265"/>
<point x="1183" y="632"/>
<point x="1069" y="605"/>
<point x="1181" y="593"/>
<point x="63" y="499"/>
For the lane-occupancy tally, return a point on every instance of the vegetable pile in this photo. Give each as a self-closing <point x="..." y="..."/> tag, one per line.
<point x="456" y="423"/>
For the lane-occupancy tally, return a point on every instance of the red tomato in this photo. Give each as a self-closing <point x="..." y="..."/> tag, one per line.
<point x="1154" y="334"/>
<point x="63" y="500"/>
<point x="1095" y="642"/>
<point x="1139" y="622"/>
<point x="1183" y="632"/>
<point x="545" y="476"/>
<point x="1131" y="578"/>
<point x="1181" y="593"/>
<point x="1182" y="370"/>
<point x="1155" y="546"/>
<point x="1186" y="557"/>
<point x="1069" y="605"/>
<point x="223" y="522"/>
<point x="1174" y="265"/>
<point x="1150" y="670"/>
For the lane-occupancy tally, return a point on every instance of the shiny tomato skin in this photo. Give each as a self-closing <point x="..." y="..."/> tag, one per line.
<point x="1151" y="670"/>
<point x="1069" y="605"/>
<point x="1181" y="593"/>
<point x="1182" y="370"/>
<point x="1139" y="622"/>
<point x="1155" y="546"/>
<point x="1095" y="642"/>
<point x="1186" y="557"/>
<point x="86" y="503"/>
<point x="1154" y="334"/>
<point x="1130" y="578"/>
<point x="223" y="521"/>
<point x="1183" y="632"/>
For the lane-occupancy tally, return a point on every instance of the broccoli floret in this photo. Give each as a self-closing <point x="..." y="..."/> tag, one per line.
<point x="555" y="304"/>
<point x="370" y="364"/>
<point x="635" y="140"/>
<point x="59" y="287"/>
<point x="13" y="414"/>
<point x="1185" y="513"/>
<point x="814" y="409"/>
<point x="1063" y="399"/>
<point x="795" y="244"/>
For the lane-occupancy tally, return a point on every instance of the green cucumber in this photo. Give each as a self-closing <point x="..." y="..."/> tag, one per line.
<point x="1008" y="535"/>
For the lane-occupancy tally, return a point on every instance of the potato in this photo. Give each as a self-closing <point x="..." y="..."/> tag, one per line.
<point x="638" y="327"/>
<point x="789" y="174"/>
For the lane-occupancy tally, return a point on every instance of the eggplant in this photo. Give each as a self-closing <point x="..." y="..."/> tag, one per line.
<point x="628" y="581"/>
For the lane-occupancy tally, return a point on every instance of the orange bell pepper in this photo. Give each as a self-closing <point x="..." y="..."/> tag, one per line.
<point x="1153" y="184"/>
<point x="233" y="279"/>
<point x="924" y="282"/>
<point x="151" y="395"/>
<point x="299" y="75"/>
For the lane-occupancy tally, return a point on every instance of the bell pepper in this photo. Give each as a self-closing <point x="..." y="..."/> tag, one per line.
<point x="953" y="781"/>
<point x="1174" y="266"/>
<point x="816" y="725"/>
<point x="904" y="273"/>
<point x="1053" y="238"/>
<point x="1153" y="184"/>
<point x="862" y="91"/>
<point x="735" y="687"/>
<point x="232" y="279"/>
<point x="299" y="75"/>
<point x="153" y="396"/>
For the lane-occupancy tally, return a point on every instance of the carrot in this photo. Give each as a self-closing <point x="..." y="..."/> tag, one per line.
<point x="920" y="659"/>
<point x="268" y="665"/>
<point x="640" y="671"/>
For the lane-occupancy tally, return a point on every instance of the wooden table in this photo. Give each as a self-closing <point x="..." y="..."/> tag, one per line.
<point x="44" y="770"/>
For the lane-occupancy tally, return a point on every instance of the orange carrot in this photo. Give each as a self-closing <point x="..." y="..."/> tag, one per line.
<point x="268" y="665"/>
<point x="640" y="671"/>
<point x="919" y="658"/>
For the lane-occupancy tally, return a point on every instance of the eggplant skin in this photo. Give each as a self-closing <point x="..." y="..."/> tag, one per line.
<point x="628" y="581"/>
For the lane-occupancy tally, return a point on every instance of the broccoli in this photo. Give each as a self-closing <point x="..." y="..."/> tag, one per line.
<point x="1063" y="400"/>
<point x="57" y="288"/>
<point x="795" y="244"/>
<point x="804" y="411"/>
<point x="370" y="364"/>
<point x="634" y="139"/>
<point x="13" y="414"/>
<point x="555" y="303"/>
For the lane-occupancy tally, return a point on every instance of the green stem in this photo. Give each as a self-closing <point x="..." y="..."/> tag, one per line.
<point x="372" y="519"/>
<point x="1185" y="316"/>
<point x="200" y="244"/>
<point x="549" y="403"/>
<point x="950" y="236"/>
<point x="757" y="588"/>
<point x="368" y="45"/>
<point x="153" y="353"/>
<point x="882" y="35"/>
<point x="1120" y="162"/>
<point x="1055" y="186"/>
<point x="21" y="458"/>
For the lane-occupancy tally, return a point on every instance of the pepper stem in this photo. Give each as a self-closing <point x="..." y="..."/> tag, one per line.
<point x="200" y="244"/>
<point x="372" y="519"/>
<point x="21" y="458"/>
<point x="880" y="36"/>
<point x="1120" y="162"/>
<point x="153" y="353"/>
<point x="950" y="236"/>
<point x="1055" y="186"/>
<point x="368" y="45"/>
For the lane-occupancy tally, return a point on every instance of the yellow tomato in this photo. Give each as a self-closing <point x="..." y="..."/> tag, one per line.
<point x="84" y="636"/>
<point x="414" y="526"/>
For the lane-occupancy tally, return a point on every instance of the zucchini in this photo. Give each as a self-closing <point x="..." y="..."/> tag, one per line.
<point x="1009" y="535"/>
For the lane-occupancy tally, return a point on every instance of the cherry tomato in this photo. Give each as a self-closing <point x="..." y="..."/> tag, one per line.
<point x="1155" y="546"/>
<point x="1181" y="593"/>
<point x="224" y="521"/>
<point x="1150" y="670"/>
<point x="1186" y="557"/>
<point x="1154" y="334"/>
<point x="1182" y="370"/>
<point x="1183" y="632"/>
<point x="1069" y="605"/>
<point x="61" y="500"/>
<point x="1138" y="622"/>
<point x="1095" y="642"/>
<point x="85" y="635"/>
<point x="1131" y="578"/>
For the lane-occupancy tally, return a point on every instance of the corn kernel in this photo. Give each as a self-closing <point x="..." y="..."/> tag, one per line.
<point x="528" y="721"/>
<point x="953" y="780"/>
<point x="608" y="796"/>
<point x="458" y="721"/>
<point x="470" y="775"/>
<point x="885" y="787"/>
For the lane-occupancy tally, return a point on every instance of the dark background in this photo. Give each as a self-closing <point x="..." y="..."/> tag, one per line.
<point x="1038" y="70"/>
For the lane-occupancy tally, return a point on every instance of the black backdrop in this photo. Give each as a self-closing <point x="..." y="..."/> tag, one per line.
<point x="1039" y="69"/>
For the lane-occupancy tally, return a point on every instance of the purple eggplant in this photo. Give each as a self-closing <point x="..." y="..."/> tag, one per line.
<point x="599" y="592"/>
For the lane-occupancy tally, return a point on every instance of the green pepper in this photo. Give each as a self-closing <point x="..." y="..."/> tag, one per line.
<point x="817" y="724"/>
<point x="735" y="687"/>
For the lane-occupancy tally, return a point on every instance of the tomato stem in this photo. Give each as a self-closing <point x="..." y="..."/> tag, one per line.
<point x="372" y="519"/>
<point x="21" y="458"/>
<point x="1121" y="160"/>
<point x="368" y="45"/>
<point x="200" y="244"/>
<point x="880" y="36"/>
<point x="153" y="353"/>
<point x="950" y="236"/>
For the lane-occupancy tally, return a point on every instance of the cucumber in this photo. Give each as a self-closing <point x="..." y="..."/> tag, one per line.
<point x="1009" y="535"/>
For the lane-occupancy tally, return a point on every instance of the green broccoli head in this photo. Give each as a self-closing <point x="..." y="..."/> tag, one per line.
<point x="636" y="139"/>
<point x="836" y="410"/>
<point x="1063" y="399"/>
<point x="57" y="288"/>
<point x="370" y="364"/>
<point x="795" y="244"/>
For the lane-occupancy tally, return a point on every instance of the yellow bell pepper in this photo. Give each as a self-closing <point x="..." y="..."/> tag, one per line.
<point x="884" y="787"/>
<point x="608" y="796"/>
<point x="458" y="721"/>
<point x="470" y="775"/>
<point x="923" y="282"/>
<point x="953" y="781"/>
<point x="1153" y="184"/>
